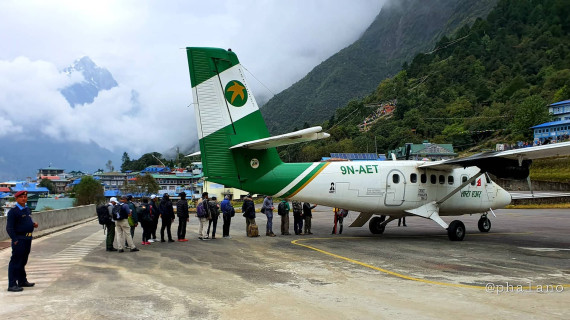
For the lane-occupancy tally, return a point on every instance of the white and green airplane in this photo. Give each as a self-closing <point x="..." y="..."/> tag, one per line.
<point x="237" y="151"/>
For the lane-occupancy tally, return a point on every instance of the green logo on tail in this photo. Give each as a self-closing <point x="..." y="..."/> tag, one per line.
<point x="235" y="93"/>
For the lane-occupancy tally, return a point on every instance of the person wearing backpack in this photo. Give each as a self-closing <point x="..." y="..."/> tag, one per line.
<point x="339" y="215"/>
<point x="183" y="217"/>
<point x="202" y="212"/>
<point x="248" y="209"/>
<point x="283" y="210"/>
<point x="297" y="217"/>
<point x="228" y="212"/>
<point x="308" y="215"/>
<point x="145" y="217"/>
<point x="133" y="219"/>
<point x="267" y="209"/>
<point x="121" y="214"/>
<point x="110" y="226"/>
<point x="214" y="214"/>
<point x="155" y="217"/>
<point x="167" y="215"/>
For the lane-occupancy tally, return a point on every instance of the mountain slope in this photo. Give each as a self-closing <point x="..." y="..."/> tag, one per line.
<point x="96" y="79"/>
<point x="401" y="30"/>
<point x="488" y="84"/>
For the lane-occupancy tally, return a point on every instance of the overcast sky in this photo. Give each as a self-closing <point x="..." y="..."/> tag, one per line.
<point x="140" y="43"/>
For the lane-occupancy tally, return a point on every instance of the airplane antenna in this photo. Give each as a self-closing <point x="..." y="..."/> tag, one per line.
<point x="273" y="93"/>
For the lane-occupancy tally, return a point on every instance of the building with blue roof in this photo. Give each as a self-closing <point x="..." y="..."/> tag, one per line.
<point x="559" y="128"/>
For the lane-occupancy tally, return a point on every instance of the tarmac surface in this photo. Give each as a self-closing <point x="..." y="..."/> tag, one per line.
<point x="519" y="269"/>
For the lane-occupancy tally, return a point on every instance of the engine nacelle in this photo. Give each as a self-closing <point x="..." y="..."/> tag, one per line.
<point x="508" y="169"/>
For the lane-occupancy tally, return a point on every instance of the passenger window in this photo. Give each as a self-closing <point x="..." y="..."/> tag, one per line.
<point x="413" y="178"/>
<point x="433" y="179"/>
<point x="450" y="180"/>
<point x="423" y="178"/>
<point x="396" y="178"/>
<point x="463" y="179"/>
<point x="441" y="179"/>
<point x="473" y="182"/>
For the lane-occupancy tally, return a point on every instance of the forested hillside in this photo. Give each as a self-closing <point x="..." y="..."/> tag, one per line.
<point x="401" y="30"/>
<point x="490" y="82"/>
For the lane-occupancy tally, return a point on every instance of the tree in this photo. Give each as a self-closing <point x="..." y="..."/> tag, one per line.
<point x="126" y="162"/>
<point x="532" y="111"/>
<point x="144" y="185"/>
<point x="47" y="183"/>
<point x="109" y="166"/>
<point x="88" y="191"/>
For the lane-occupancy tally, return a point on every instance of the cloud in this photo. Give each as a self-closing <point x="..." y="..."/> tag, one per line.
<point x="141" y="43"/>
<point x="30" y="103"/>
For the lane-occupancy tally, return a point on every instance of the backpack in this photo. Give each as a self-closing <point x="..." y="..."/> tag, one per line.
<point x="297" y="207"/>
<point x="103" y="215"/>
<point x="145" y="213"/>
<point x="213" y="206"/>
<point x="200" y="212"/>
<point x="344" y="213"/>
<point x="281" y="209"/>
<point x="118" y="213"/>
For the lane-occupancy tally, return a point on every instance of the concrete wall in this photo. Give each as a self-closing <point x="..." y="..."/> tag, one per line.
<point x="54" y="218"/>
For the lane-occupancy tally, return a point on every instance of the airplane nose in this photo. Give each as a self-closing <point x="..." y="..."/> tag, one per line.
<point x="503" y="198"/>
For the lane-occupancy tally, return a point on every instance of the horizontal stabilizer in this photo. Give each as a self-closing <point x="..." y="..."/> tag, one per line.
<point x="304" y="135"/>
<point x="198" y="153"/>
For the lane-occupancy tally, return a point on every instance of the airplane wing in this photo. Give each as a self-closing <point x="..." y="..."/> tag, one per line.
<point x="513" y="164"/>
<point x="304" y="135"/>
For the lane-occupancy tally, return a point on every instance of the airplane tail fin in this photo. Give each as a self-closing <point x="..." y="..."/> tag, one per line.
<point x="227" y="115"/>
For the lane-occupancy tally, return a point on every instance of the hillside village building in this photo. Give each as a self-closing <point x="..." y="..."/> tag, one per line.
<point x="556" y="130"/>
<point x="426" y="150"/>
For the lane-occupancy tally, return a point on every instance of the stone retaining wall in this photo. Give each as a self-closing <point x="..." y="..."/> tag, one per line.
<point x="54" y="218"/>
<point x="518" y="185"/>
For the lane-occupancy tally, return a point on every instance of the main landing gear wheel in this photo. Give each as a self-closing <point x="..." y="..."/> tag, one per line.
<point x="456" y="230"/>
<point x="375" y="225"/>
<point x="484" y="224"/>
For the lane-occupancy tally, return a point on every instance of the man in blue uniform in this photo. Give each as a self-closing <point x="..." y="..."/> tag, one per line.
<point x="19" y="226"/>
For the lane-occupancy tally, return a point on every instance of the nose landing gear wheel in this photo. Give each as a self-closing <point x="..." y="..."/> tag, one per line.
<point x="374" y="225"/>
<point x="456" y="231"/>
<point x="484" y="224"/>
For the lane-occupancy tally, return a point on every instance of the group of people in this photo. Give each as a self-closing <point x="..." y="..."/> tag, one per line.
<point x="125" y="216"/>
<point x="302" y="215"/>
<point x="208" y="210"/>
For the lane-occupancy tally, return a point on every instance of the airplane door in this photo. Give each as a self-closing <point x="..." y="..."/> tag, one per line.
<point x="395" y="188"/>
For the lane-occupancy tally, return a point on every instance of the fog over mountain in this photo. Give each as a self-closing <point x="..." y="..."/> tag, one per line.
<point x="26" y="148"/>
<point x="95" y="80"/>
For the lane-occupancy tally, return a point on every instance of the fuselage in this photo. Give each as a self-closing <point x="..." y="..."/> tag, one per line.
<point x="391" y="187"/>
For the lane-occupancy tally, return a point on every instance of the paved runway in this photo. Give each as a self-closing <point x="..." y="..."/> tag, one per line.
<point x="521" y="268"/>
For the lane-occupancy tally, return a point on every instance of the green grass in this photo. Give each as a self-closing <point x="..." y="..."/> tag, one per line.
<point x="551" y="169"/>
<point x="539" y="206"/>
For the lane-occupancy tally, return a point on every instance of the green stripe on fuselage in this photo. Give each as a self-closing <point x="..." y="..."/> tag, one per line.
<point x="301" y="183"/>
